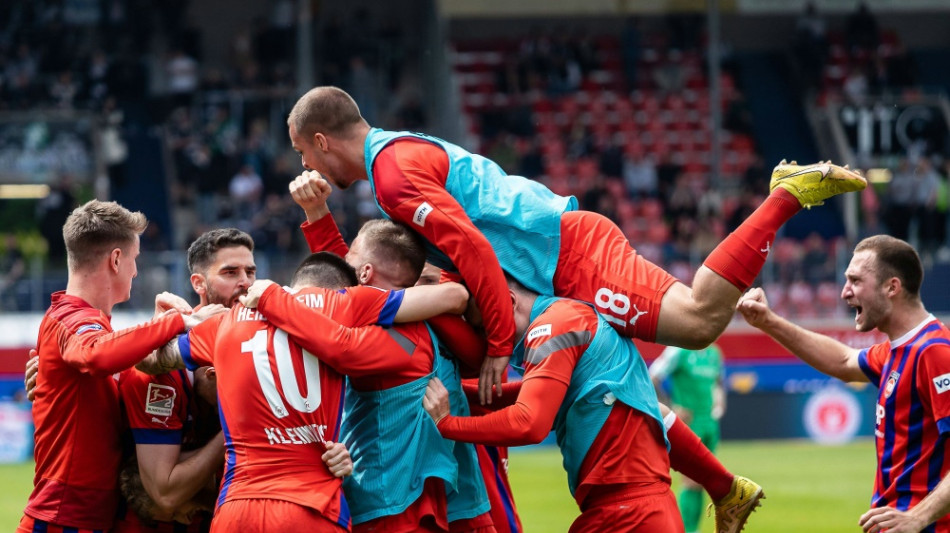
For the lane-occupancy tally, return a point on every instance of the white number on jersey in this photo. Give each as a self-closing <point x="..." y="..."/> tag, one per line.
<point x="257" y="346"/>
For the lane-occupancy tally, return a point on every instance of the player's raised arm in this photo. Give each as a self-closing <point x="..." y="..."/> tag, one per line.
<point x="427" y="301"/>
<point x="352" y="351"/>
<point x="102" y="353"/>
<point x="310" y="191"/>
<point x="169" y="356"/>
<point x="820" y="351"/>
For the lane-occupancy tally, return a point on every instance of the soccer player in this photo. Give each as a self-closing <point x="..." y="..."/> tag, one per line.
<point x="911" y="369"/>
<point x="482" y="222"/>
<point x="176" y="412"/>
<point x="382" y="253"/>
<point x="590" y="384"/>
<point x="76" y="406"/>
<point x="698" y="399"/>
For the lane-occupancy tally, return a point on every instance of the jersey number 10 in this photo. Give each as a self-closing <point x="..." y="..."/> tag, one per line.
<point x="257" y="346"/>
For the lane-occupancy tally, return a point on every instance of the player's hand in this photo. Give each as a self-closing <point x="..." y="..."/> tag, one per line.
<point x="338" y="459"/>
<point x="493" y="370"/>
<point x="890" y="520"/>
<point x="167" y="300"/>
<point x="254" y="293"/>
<point x="203" y="313"/>
<point x="29" y="377"/>
<point x="754" y="307"/>
<point x="436" y="400"/>
<point x="311" y="191"/>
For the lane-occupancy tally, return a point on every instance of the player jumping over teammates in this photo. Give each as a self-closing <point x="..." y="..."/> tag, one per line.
<point x="482" y="222"/>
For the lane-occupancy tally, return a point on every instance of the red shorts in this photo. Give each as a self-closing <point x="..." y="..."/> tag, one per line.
<point x="260" y="515"/>
<point x="597" y="265"/>
<point x="629" y="510"/>
<point x="28" y="524"/>
<point x="427" y="514"/>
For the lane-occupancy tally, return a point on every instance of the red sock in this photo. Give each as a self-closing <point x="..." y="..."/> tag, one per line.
<point x="740" y="257"/>
<point x="690" y="457"/>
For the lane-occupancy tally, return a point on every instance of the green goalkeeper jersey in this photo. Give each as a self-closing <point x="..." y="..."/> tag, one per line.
<point x="693" y="376"/>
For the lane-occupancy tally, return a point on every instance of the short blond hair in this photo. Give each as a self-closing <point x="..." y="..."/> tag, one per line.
<point x="393" y="247"/>
<point x="328" y="110"/>
<point x="96" y="228"/>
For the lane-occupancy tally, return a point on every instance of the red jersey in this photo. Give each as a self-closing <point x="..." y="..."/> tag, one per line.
<point x="162" y="409"/>
<point x="412" y="172"/>
<point x="277" y="406"/>
<point x="629" y="449"/>
<point x="76" y="410"/>
<point x="913" y="415"/>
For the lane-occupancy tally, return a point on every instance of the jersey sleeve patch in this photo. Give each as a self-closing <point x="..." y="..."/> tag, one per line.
<point x="942" y="383"/>
<point x="422" y="212"/>
<point x="160" y="400"/>
<point x="563" y="341"/>
<point x="540" y="331"/>
<point x="86" y="328"/>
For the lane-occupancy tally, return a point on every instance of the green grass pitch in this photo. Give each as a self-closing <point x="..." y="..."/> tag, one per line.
<point x="808" y="487"/>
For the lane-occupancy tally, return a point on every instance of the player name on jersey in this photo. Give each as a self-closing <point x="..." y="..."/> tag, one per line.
<point x="299" y="435"/>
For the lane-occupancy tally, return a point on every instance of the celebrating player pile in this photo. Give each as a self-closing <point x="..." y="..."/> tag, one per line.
<point x="559" y="292"/>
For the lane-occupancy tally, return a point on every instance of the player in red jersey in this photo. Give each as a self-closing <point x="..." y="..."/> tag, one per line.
<point x="76" y="407"/>
<point x="911" y="369"/>
<point x="176" y="412"/>
<point x="412" y="176"/>
<point x="611" y="435"/>
<point x="172" y="419"/>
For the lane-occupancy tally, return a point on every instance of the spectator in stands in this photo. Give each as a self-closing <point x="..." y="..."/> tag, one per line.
<point x="856" y="84"/>
<point x="630" y="49"/>
<point x="670" y="75"/>
<point x="114" y="150"/>
<point x="12" y="269"/>
<point x="182" y="76"/>
<point x="927" y="192"/>
<point x="863" y="33"/>
<point x="64" y="90"/>
<point x="817" y="265"/>
<point x="900" y="200"/>
<point x="639" y="173"/>
<point x="52" y="212"/>
<point x="245" y="190"/>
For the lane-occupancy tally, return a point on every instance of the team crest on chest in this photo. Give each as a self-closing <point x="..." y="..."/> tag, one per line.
<point x="160" y="400"/>
<point x="891" y="383"/>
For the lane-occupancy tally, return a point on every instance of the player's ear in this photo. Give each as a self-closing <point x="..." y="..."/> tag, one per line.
<point x="198" y="283"/>
<point x="320" y="141"/>
<point x="114" y="259"/>
<point x="365" y="274"/>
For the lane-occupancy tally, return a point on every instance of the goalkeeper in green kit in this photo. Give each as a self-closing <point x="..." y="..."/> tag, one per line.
<point x="698" y="398"/>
